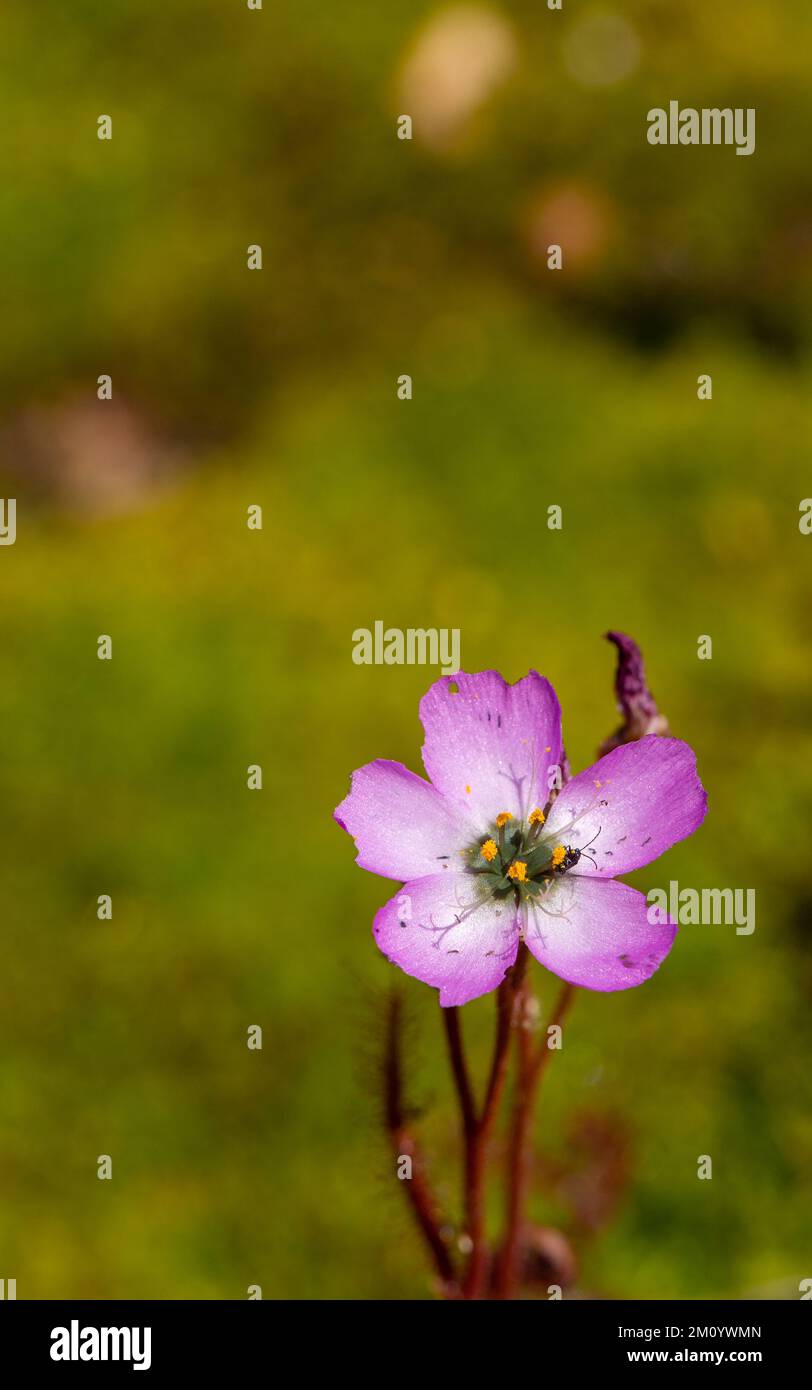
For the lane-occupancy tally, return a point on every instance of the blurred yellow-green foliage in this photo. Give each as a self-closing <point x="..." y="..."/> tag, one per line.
<point x="232" y="647"/>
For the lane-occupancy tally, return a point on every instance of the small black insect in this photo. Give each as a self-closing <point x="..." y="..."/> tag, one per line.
<point x="571" y="857"/>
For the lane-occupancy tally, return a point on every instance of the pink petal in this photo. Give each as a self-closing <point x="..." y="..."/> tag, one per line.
<point x="488" y="747"/>
<point x="633" y="805"/>
<point x="402" y="827"/>
<point x="443" y="932"/>
<point x="596" y="933"/>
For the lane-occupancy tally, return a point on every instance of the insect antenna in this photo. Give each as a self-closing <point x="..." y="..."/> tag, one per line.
<point x="591" y="857"/>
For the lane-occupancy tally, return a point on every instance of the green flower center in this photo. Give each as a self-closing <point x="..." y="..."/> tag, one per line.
<point x="518" y="858"/>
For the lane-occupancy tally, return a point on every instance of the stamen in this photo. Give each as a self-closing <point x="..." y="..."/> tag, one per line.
<point x="503" y="818"/>
<point x="558" y="854"/>
<point x="537" y="816"/>
<point x="518" y="871"/>
<point x="489" y="850"/>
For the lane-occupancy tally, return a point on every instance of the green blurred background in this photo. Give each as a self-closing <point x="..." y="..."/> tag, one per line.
<point x="232" y="647"/>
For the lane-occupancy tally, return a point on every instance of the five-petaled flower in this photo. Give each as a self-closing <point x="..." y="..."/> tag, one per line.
<point x="489" y="858"/>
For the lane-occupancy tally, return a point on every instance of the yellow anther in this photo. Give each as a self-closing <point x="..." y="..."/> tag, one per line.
<point x="558" y="854"/>
<point x="537" y="817"/>
<point x="518" y="871"/>
<point x="489" y="850"/>
<point x="503" y="818"/>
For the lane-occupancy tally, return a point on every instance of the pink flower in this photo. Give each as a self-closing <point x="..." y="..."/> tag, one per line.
<point x="487" y="859"/>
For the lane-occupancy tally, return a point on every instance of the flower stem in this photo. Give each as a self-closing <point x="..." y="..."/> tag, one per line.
<point x="416" y="1187"/>
<point x="478" y="1136"/>
<point x="531" y="1068"/>
<point x="459" y="1069"/>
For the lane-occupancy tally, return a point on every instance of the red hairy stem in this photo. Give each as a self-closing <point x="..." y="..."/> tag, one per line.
<point x="478" y="1138"/>
<point x="505" y="1010"/>
<point x="459" y="1070"/>
<point x="531" y="1068"/>
<point x="416" y="1187"/>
